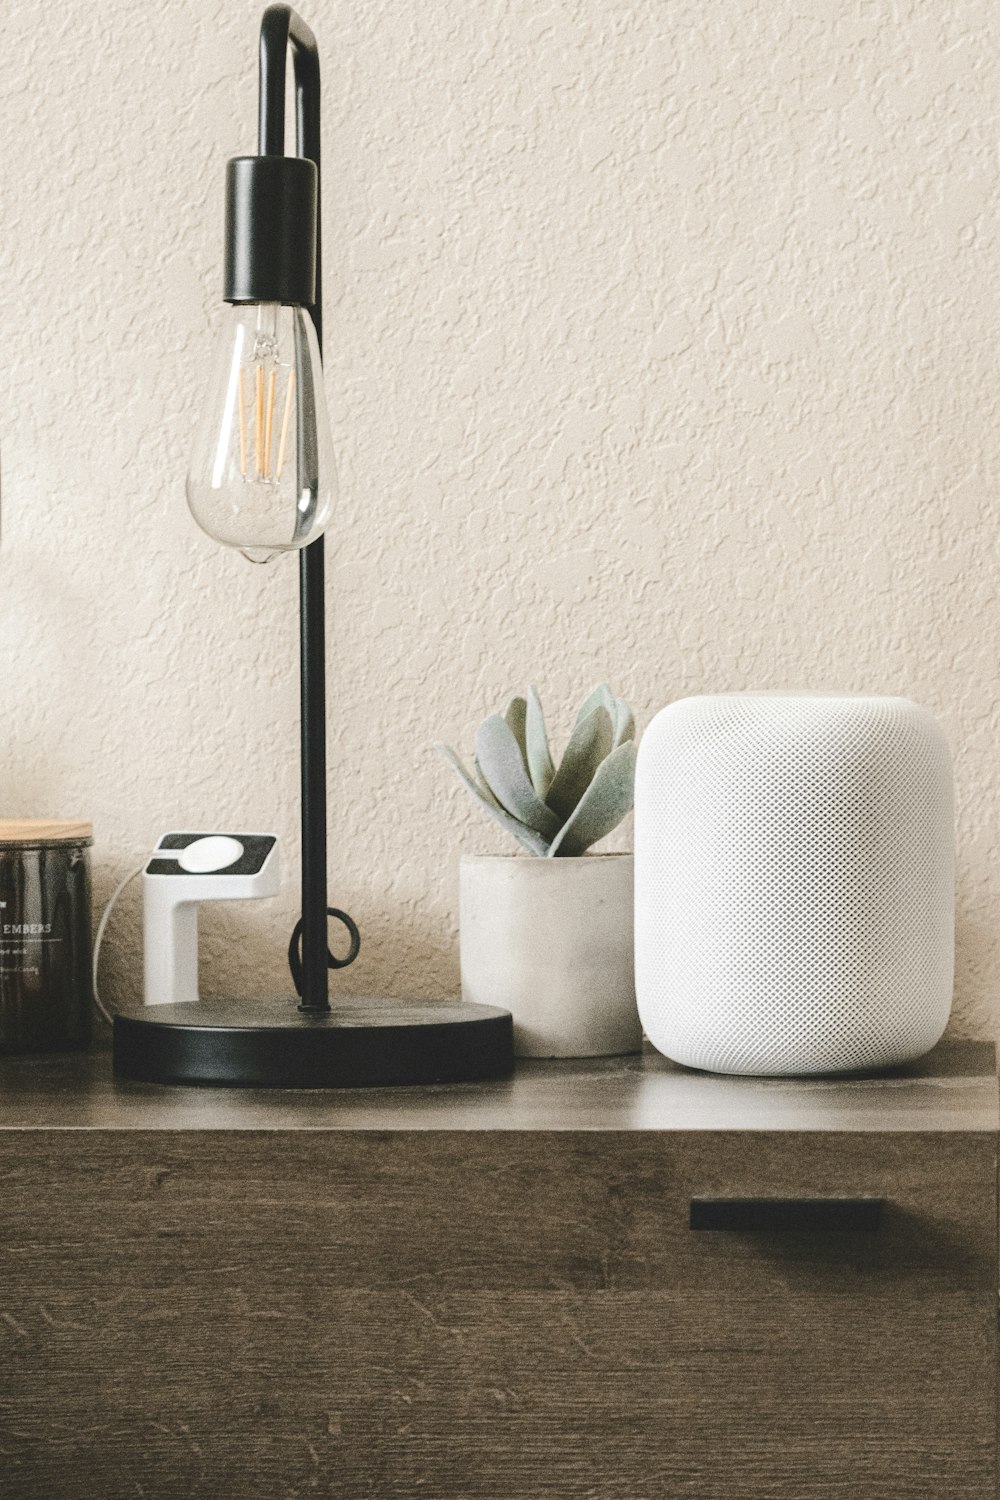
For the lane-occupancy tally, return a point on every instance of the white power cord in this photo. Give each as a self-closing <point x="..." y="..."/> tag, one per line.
<point x="100" y="936"/>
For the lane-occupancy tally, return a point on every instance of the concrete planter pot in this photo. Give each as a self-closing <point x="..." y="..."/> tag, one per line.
<point x="550" y="940"/>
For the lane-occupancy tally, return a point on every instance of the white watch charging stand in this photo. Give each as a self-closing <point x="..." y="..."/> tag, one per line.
<point x="184" y="870"/>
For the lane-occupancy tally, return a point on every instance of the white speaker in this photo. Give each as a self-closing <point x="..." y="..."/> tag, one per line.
<point x="794" y="882"/>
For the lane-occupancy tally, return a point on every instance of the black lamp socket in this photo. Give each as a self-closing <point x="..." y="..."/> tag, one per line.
<point x="271" y="230"/>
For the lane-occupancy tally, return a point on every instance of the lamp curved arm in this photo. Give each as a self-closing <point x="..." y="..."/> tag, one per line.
<point x="281" y="28"/>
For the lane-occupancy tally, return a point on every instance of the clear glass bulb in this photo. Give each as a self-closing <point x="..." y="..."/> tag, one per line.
<point x="262" y="475"/>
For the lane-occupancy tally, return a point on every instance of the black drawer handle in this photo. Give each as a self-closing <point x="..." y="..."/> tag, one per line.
<point x="813" y="1215"/>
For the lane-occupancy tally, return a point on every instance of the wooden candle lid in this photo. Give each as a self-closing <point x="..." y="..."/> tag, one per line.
<point x="44" y="831"/>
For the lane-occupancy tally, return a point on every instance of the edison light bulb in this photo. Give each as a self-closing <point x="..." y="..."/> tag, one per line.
<point x="262" y="475"/>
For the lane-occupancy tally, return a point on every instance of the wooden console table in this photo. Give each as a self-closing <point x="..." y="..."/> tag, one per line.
<point x="494" y="1292"/>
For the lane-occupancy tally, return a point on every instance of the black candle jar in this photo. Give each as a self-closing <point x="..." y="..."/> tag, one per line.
<point x="45" y="982"/>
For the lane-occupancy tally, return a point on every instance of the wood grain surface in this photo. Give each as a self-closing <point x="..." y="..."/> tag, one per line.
<point x="483" y="1316"/>
<point x="953" y="1088"/>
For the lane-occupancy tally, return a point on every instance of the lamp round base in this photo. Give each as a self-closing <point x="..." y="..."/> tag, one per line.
<point x="270" y="1044"/>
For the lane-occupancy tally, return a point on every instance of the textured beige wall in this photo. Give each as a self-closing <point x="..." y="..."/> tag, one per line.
<point x="661" y="346"/>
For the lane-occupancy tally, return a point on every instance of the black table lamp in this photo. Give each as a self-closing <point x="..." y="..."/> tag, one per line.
<point x="263" y="480"/>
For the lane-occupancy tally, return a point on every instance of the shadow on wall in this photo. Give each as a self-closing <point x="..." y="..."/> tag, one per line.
<point x="120" y="977"/>
<point x="406" y="954"/>
<point x="241" y="956"/>
<point x="401" y="955"/>
<point x="975" y="964"/>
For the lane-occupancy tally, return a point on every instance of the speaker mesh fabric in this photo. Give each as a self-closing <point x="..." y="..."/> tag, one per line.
<point x="794" y="882"/>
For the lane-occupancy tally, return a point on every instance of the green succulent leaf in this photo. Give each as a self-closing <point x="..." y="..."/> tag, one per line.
<point x="526" y="837"/>
<point x="624" y="722"/>
<point x="540" y="767"/>
<point x="515" y="717"/>
<point x="501" y="764"/>
<point x="592" y="740"/>
<point x="603" y="805"/>
<point x="549" y="811"/>
<point x="601" y="697"/>
<point x="621" y="714"/>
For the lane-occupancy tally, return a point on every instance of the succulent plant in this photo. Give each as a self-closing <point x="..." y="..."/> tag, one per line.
<point x="554" y="812"/>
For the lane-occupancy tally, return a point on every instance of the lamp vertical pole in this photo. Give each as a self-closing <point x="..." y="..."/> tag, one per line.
<point x="281" y="27"/>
